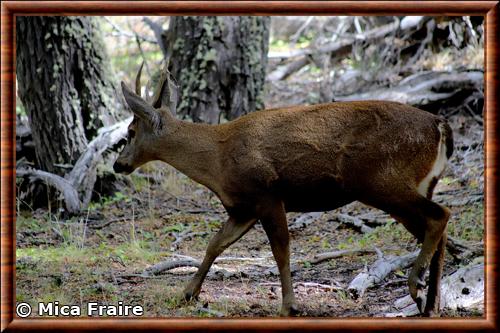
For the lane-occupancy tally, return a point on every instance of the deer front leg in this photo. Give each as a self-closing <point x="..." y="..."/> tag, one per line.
<point x="276" y="228"/>
<point x="230" y="232"/>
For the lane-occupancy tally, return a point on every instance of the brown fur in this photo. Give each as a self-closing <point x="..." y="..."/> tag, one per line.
<point x="305" y="158"/>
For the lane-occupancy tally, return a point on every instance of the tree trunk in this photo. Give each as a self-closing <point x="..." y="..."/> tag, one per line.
<point x="219" y="63"/>
<point x="63" y="81"/>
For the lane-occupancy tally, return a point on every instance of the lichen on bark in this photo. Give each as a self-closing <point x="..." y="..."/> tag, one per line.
<point x="219" y="63"/>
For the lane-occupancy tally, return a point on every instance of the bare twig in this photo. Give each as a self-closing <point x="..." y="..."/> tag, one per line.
<point x="139" y="46"/>
<point x="337" y="254"/>
<point x="121" y="32"/>
<point x="298" y="33"/>
<point x="158" y="32"/>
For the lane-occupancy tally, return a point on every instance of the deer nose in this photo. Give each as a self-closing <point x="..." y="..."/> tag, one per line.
<point x="122" y="168"/>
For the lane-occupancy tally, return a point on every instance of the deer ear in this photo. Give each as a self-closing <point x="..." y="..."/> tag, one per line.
<point x="141" y="108"/>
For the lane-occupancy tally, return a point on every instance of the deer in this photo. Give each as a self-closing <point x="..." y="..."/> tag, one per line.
<point x="314" y="158"/>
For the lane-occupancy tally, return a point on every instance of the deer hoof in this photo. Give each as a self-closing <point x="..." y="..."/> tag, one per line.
<point x="432" y="314"/>
<point x="189" y="295"/>
<point x="420" y="299"/>
<point x="417" y="293"/>
<point x="290" y="311"/>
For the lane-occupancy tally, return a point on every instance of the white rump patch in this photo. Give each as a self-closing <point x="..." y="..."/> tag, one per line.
<point x="438" y="166"/>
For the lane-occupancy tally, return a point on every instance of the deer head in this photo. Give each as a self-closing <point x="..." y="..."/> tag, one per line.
<point x="151" y="119"/>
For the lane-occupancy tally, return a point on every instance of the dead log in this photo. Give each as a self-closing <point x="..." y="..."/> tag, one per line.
<point x="427" y="90"/>
<point x="463" y="289"/>
<point x="82" y="177"/>
<point x="378" y="271"/>
<point x="69" y="193"/>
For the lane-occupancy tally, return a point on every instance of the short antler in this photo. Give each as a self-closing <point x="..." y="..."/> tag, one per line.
<point x="165" y="94"/>
<point x="138" y="80"/>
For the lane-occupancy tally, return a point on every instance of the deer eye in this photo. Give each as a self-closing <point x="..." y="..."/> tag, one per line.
<point x="131" y="134"/>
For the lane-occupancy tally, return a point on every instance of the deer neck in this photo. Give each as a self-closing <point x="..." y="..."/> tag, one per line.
<point x="193" y="150"/>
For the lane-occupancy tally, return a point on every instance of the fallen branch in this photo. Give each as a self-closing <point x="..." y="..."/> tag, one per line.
<point x="337" y="254"/>
<point x="69" y="193"/>
<point x="170" y="264"/>
<point x="353" y="222"/>
<point x="327" y="287"/>
<point x="187" y="261"/>
<point x="341" y="45"/>
<point x="425" y="88"/>
<point x="338" y="47"/>
<point x="462" y="251"/>
<point x="305" y="285"/>
<point x="378" y="271"/>
<point x="304" y="220"/>
<point x="185" y="235"/>
<point x="284" y="71"/>
<point x="374" y="218"/>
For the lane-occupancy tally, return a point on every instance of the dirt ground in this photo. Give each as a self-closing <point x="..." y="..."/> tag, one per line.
<point x="160" y="214"/>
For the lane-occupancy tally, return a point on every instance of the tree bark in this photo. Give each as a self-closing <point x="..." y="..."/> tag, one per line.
<point x="64" y="84"/>
<point x="219" y="63"/>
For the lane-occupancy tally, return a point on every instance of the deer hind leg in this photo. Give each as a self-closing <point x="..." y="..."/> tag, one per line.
<point x="427" y="221"/>
<point x="436" y="269"/>
<point x="230" y="232"/>
<point x="276" y="228"/>
<point x="435" y="218"/>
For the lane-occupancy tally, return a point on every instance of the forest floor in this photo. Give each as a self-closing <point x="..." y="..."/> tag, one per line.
<point x="160" y="214"/>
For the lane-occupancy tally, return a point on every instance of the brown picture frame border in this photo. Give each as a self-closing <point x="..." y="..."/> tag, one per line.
<point x="9" y="9"/>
